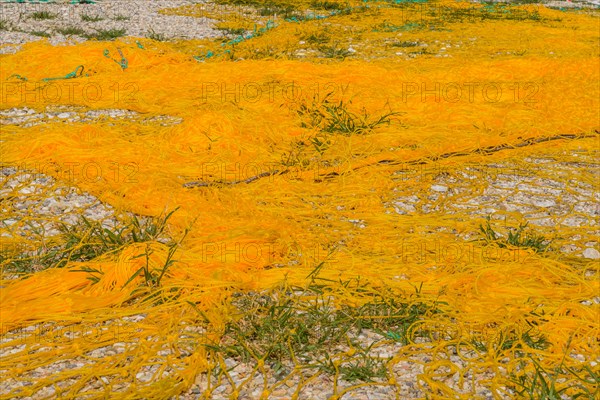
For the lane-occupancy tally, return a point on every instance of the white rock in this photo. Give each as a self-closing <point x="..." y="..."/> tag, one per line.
<point x="439" y="188"/>
<point x="544" y="202"/>
<point x="144" y="376"/>
<point x="591" y="253"/>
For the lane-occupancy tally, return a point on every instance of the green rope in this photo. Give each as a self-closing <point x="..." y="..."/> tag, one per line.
<point x="139" y="44"/>
<point x="123" y="63"/>
<point x="68" y="76"/>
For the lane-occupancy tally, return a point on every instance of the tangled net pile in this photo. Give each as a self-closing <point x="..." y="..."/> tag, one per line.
<point x="265" y="229"/>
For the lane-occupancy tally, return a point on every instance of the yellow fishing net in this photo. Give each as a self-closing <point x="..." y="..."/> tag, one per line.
<point x="302" y="198"/>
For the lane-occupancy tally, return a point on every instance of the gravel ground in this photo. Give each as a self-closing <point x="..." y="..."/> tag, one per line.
<point x="27" y="194"/>
<point x="405" y="372"/>
<point x="28" y="117"/>
<point x="543" y="190"/>
<point x="139" y="18"/>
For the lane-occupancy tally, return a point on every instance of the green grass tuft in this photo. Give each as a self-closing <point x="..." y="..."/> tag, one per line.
<point x="232" y="31"/>
<point x="43" y="15"/>
<point x="265" y="7"/>
<point x="405" y="44"/>
<point x="159" y="37"/>
<point x="517" y="237"/>
<point x="328" y="119"/>
<point x="317" y="38"/>
<point x="71" y="30"/>
<point x="40" y="33"/>
<point x="334" y="51"/>
<point x="108" y="34"/>
<point x="88" y="240"/>
<point x="336" y="118"/>
<point x="540" y="384"/>
<point x="91" y="18"/>
<point x="304" y="327"/>
<point x="328" y="5"/>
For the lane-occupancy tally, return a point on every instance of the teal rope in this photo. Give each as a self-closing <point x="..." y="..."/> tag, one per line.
<point x="70" y="75"/>
<point x="123" y="63"/>
<point x="239" y="39"/>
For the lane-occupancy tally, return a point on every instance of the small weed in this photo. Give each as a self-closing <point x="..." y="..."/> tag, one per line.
<point x="305" y="326"/>
<point x="40" y="33"/>
<point x="267" y="52"/>
<point x="334" y="51"/>
<point x="265" y="12"/>
<point x="268" y="7"/>
<point x="232" y="31"/>
<point x="91" y="18"/>
<point x="71" y="30"/>
<point x="336" y="118"/>
<point x="4" y="25"/>
<point x="510" y="340"/>
<point x="88" y="240"/>
<point x="317" y="38"/>
<point x="281" y="11"/>
<point x="422" y="52"/>
<point x="364" y="369"/>
<point x="517" y="237"/>
<point x="121" y="18"/>
<point x="542" y="384"/>
<point x="329" y="119"/>
<point x="489" y="11"/>
<point x="387" y="27"/>
<point x="539" y="385"/>
<point x="405" y="44"/>
<point x="159" y="37"/>
<point x="328" y="5"/>
<point x="153" y="277"/>
<point x="42" y="15"/>
<point x="109" y="34"/>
